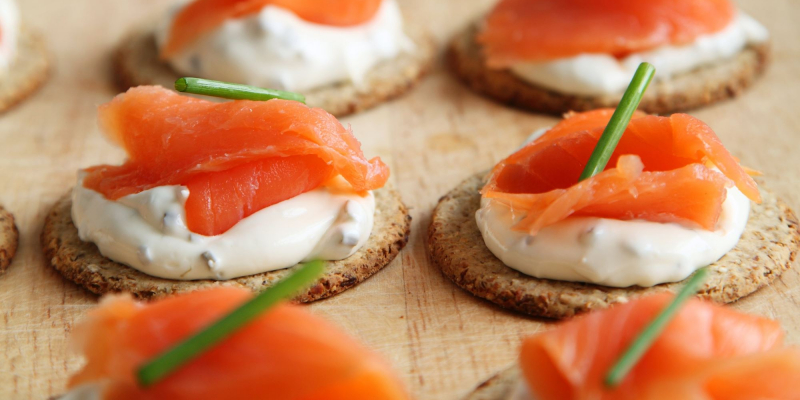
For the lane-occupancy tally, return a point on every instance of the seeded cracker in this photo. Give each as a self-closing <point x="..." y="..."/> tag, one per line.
<point x="9" y="239"/>
<point x="136" y="63"/>
<point x="83" y="264"/>
<point x="702" y="86"/>
<point x="28" y="72"/>
<point x="768" y="247"/>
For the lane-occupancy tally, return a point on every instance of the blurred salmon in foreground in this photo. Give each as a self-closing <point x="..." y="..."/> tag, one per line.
<point x="285" y="354"/>
<point x="707" y="352"/>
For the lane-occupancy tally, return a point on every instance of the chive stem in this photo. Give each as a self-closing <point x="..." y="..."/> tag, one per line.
<point x="233" y="91"/>
<point x="619" y="120"/>
<point x="174" y="358"/>
<point x="648" y="336"/>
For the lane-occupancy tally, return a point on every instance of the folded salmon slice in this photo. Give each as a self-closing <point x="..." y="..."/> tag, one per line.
<point x="674" y="183"/>
<point x="541" y="30"/>
<point x="218" y="200"/>
<point x="203" y="16"/>
<point x="179" y="140"/>
<point x="708" y="352"/>
<point x="285" y="354"/>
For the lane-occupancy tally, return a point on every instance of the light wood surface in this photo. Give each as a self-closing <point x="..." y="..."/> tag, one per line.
<point x="441" y="340"/>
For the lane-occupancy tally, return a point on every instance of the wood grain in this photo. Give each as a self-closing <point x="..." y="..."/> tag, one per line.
<point x="441" y="340"/>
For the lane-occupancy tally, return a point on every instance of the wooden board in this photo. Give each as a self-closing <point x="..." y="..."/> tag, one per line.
<point x="440" y="340"/>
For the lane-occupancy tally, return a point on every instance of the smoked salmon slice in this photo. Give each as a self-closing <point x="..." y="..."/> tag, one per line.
<point x="218" y="200"/>
<point x="236" y="157"/>
<point x="541" y="30"/>
<point x="203" y="16"/>
<point x="707" y="352"/>
<point x="660" y="171"/>
<point x="285" y="354"/>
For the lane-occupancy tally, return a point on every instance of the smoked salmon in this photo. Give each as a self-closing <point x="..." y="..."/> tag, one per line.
<point x="285" y="354"/>
<point x="541" y="30"/>
<point x="707" y="352"/>
<point x="661" y="171"/>
<point x="203" y="16"/>
<point x="235" y="157"/>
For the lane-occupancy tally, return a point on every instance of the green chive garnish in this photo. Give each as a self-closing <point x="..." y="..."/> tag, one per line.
<point x="174" y="358"/>
<point x="619" y="121"/>
<point x="642" y="343"/>
<point x="233" y="91"/>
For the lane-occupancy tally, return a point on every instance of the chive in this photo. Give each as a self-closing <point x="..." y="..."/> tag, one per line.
<point x="184" y="352"/>
<point x="233" y="91"/>
<point x="648" y="336"/>
<point x="619" y="121"/>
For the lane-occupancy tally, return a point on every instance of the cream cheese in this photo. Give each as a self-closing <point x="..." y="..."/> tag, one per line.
<point x="9" y="33"/>
<point x="147" y="231"/>
<point x="611" y="252"/>
<point x="88" y="391"/>
<point x="607" y="251"/>
<point x="603" y="74"/>
<point x="275" y="48"/>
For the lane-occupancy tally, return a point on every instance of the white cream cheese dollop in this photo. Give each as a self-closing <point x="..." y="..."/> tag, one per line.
<point x="603" y="74"/>
<point x="277" y="49"/>
<point x="147" y="231"/>
<point x="88" y="391"/>
<point x="607" y="251"/>
<point x="611" y="252"/>
<point x="9" y="33"/>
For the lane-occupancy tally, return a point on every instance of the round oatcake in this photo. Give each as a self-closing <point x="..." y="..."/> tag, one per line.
<point x="28" y="71"/>
<point x="9" y="239"/>
<point x="136" y="62"/>
<point x="82" y="263"/>
<point x="499" y="387"/>
<point x="767" y="247"/>
<point x="702" y="86"/>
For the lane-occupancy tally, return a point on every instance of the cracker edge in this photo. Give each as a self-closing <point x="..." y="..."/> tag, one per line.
<point x="388" y="80"/>
<point x="565" y="299"/>
<point x="697" y="88"/>
<point x="9" y="235"/>
<point x="347" y="273"/>
<point x="28" y="73"/>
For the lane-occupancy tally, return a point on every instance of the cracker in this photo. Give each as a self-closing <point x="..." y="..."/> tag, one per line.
<point x="28" y="71"/>
<point x="9" y="239"/>
<point x="767" y="247"/>
<point x="702" y="86"/>
<point x="82" y="263"/>
<point x="136" y="62"/>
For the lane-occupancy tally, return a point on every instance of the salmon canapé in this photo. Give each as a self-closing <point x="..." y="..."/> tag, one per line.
<point x="664" y="169"/>
<point x="284" y="354"/>
<point x="236" y="158"/>
<point x="707" y="352"/>
<point x="541" y="30"/>
<point x="203" y="16"/>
